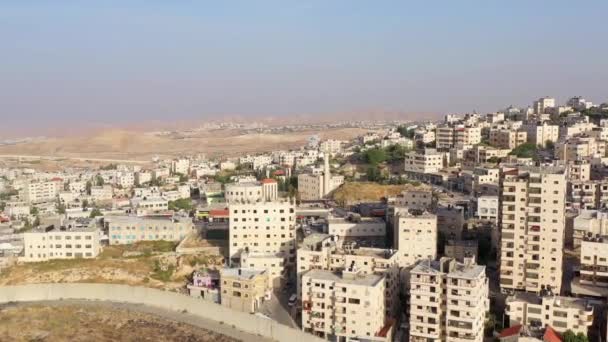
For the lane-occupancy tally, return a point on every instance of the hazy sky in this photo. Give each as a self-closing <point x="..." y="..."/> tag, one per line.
<point x="120" y="61"/>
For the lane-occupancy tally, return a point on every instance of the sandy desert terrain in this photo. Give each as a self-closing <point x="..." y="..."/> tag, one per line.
<point x="130" y="145"/>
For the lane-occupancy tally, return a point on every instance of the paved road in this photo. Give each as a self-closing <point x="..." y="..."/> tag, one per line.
<point x="164" y="313"/>
<point x="277" y="309"/>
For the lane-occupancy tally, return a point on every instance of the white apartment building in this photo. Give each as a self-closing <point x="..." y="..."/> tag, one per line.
<point x="130" y="229"/>
<point x="273" y="264"/>
<point x="149" y="205"/>
<point x="533" y="225"/>
<point x="430" y="161"/>
<point x="50" y="242"/>
<point x="181" y="166"/>
<point x="243" y="192"/>
<point x="264" y="228"/>
<point x="331" y="146"/>
<point x="507" y="138"/>
<point x="448" y="301"/>
<point x="424" y="136"/>
<point x="579" y="103"/>
<point x="355" y="227"/>
<point x="126" y="180"/>
<point x="143" y="177"/>
<point x="444" y="137"/>
<point x="257" y="162"/>
<point x="576" y="129"/>
<point x="467" y="135"/>
<point x="416" y="199"/>
<point x="312" y="187"/>
<point x="594" y="261"/>
<point x="539" y="134"/>
<point x="102" y="193"/>
<point x="344" y="306"/>
<point x="415" y="236"/>
<point x="580" y="148"/>
<point x="78" y="187"/>
<point x="589" y="224"/>
<point x="543" y="105"/>
<point x="320" y="252"/>
<point x="40" y="191"/>
<point x="561" y="313"/>
<point x="488" y="208"/>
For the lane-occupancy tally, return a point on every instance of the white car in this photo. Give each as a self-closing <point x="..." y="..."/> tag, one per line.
<point x="292" y="300"/>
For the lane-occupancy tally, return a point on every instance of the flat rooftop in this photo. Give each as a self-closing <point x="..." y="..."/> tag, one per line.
<point x="241" y="273"/>
<point x="362" y="280"/>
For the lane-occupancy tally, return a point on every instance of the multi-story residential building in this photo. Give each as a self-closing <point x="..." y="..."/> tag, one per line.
<point x="416" y="199"/>
<point x="485" y="154"/>
<point x="444" y="137"/>
<point x="40" y="191"/>
<point x="415" y="236"/>
<point x="533" y="225"/>
<point x="579" y="148"/>
<point x="125" y="179"/>
<point x="461" y="250"/>
<point x="331" y="146"/>
<point x="344" y="306"/>
<point x="102" y="193"/>
<point x="450" y="222"/>
<point x="589" y="223"/>
<point x="507" y="138"/>
<point x="428" y="161"/>
<point x="181" y="166"/>
<point x="264" y="228"/>
<point x="143" y="177"/>
<point x="448" y="301"/>
<point x="273" y="264"/>
<point x="543" y="105"/>
<point x="594" y="261"/>
<point x="355" y="228"/>
<point x="488" y="208"/>
<point x="467" y="135"/>
<point x="561" y="313"/>
<point x="584" y="195"/>
<point x="130" y="229"/>
<point x="65" y="242"/>
<point x="579" y="103"/>
<point x="539" y="134"/>
<point x="578" y="170"/>
<point x="424" y="136"/>
<point x="313" y="187"/>
<point x="257" y="162"/>
<point x="243" y="192"/>
<point x="320" y="252"/>
<point x="576" y="129"/>
<point x="243" y="289"/>
<point x="147" y="205"/>
<point x="78" y="187"/>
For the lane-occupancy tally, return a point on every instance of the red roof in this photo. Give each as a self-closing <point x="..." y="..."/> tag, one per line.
<point x="512" y="331"/>
<point x="279" y="172"/>
<point x="219" y="212"/>
<point x="268" y="181"/>
<point x="57" y="179"/>
<point x="551" y="335"/>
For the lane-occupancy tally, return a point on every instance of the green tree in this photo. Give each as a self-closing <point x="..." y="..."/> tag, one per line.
<point x="549" y="145"/>
<point x="374" y="156"/>
<point x="405" y="132"/>
<point x="527" y="150"/>
<point x="85" y="204"/>
<point x="34" y="211"/>
<point x="181" y="204"/>
<point x="88" y="187"/>
<point x="95" y="212"/>
<point x="36" y="221"/>
<point x="373" y="174"/>
<point x="2" y="206"/>
<point x="99" y="180"/>
<point x="60" y="208"/>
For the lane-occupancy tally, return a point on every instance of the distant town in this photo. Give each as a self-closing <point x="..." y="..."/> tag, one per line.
<point x="475" y="227"/>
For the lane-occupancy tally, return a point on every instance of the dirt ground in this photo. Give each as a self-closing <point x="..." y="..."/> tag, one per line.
<point x="352" y="193"/>
<point x="127" y="145"/>
<point x="92" y="323"/>
<point x="150" y="264"/>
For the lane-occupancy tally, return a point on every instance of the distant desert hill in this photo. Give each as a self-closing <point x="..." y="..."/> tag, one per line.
<point x="124" y="144"/>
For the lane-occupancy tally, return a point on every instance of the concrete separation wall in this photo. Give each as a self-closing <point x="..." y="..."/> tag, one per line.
<point x="157" y="298"/>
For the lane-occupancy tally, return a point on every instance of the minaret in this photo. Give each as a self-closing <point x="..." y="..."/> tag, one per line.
<point x="326" y="173"/>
